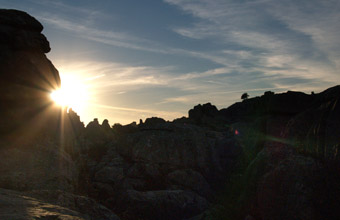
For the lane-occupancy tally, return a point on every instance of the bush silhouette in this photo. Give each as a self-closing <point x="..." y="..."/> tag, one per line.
<point x="244" y="96"/>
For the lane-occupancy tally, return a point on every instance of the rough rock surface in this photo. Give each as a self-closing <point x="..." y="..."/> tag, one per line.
<point x="316" y="131"/>
<point x="20" y="206"/>
<point x="35" y="154"/>
<point x="27" y="76"/>
<point x="162" y="204"/>
<point x="159" y="161"/>
<point x="37" y="167"/>
<point x="286" y="192"/>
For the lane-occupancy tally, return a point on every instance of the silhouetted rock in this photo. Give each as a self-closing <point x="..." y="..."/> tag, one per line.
<point x="284" y="104"/>
<point x="74" y="123"/>
<point x="268" y="93"/>
<point x="200" y="111"/>
<point x="316" y="130"/>
<point x="153" y="121"/>
<point x="27" y="77"/>
<point x="96" y="138"/>
<point x="106" y="126"/>
<point x="97" y="133"/>
<point x="167" y="158"/>
<point x="183" y="120"/>
<point x="69" y="132"/>
<point x="36" y="136"/>
<point x="125" y="129"/>
<point x="20" y="31"/>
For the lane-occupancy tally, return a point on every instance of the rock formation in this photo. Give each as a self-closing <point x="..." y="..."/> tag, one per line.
<point x="27" y="76"/>
<point x="269" y="157"/>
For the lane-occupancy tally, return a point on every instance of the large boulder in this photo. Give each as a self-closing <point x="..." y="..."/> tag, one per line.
<point x="204" y="115"/>
<point x="281" y="184"/>
<point x="27" y="77"/>
<point x="316" y="130"/>
<point x="37" y="167"/>
<point x="200" y="111"/>
<point x="286" y="192"/>
<point x="189" y="180"/>
<point x="35" y="135"/>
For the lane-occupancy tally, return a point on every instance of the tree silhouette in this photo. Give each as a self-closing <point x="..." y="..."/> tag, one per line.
<point x="244" y="96"/>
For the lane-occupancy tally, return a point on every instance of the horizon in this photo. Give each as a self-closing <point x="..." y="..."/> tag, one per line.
<point x="160" y="59"/>
<point x="223" y="107"/>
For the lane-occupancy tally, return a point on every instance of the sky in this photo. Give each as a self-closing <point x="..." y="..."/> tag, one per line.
<point x="148" y="58"/>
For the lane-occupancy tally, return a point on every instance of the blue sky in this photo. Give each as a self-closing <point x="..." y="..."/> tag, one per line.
<point x="160" y="58"/>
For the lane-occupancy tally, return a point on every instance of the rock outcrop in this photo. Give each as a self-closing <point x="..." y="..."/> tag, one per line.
<point x="43" y="166"/>
<point x="161" y="165"/>
<point x="316" y="130"/>
<point x="27" y="77"/>
<point x="36" y="152"/>
<point x="290" y="104"/>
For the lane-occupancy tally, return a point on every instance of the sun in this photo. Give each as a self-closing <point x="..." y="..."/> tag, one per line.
<point x="73" y="93"/>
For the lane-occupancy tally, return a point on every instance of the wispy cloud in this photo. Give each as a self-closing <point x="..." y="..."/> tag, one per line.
<point x="257" y="49"/>
<point x="106" y="76"/>
<point x="248" y="46"/>
<point x="107" y="37"/>
<point x="260" y="48"/>
<point x="288" y="35"/>
<point x="65" y="7"/>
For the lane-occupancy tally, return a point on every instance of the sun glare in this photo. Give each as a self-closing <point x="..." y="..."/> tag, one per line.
<point x="73" y="93"/>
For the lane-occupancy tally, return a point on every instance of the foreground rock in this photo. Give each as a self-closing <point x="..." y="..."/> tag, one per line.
<point x="35" y="154"/>
<point x="21" y="206"/>
<point x="37" y="167"/>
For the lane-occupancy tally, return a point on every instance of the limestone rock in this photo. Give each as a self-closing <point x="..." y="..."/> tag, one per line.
<point x="286" y="191"/>
<point x="38" y="167"/>
<point x="316" y="131"/>
<point x="22" y="206"/>
<point x="168" y="204"/>
<point x="27" y="77"/>
<point x="190" y="180"/>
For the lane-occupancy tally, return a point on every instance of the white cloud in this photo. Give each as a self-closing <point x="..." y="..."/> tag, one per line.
<point x="297" y="38"/>
<point x="110" y="75"/>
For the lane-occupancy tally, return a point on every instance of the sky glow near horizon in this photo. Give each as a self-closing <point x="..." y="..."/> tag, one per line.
<point x="160" y="58"/>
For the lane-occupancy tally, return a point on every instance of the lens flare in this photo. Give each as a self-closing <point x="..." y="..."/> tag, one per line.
<point x="72" y="94"/>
